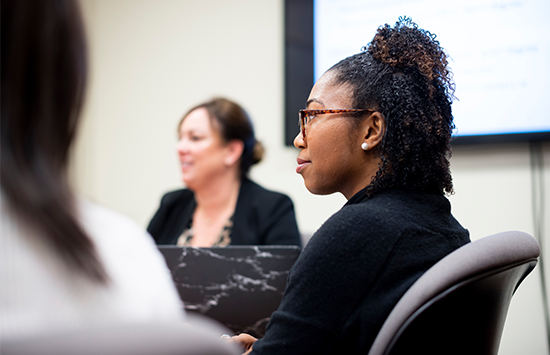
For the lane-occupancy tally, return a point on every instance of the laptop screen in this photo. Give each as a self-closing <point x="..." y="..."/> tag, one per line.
<point x="238" y="286"/>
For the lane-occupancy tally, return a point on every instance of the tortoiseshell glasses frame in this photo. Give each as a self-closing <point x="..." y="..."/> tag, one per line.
<point x="306" y="115"/>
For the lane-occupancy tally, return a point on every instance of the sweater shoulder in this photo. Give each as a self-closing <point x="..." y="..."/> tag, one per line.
<point x="384" y="217"/>
<point x="255" y="192"/>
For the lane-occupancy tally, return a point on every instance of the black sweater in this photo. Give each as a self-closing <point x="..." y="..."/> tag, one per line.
<point x="354" y="270"/>
<point x="262" y="217"/>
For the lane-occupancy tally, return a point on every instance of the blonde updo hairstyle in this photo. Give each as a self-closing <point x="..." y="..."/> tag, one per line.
<point x="233" y="123"/>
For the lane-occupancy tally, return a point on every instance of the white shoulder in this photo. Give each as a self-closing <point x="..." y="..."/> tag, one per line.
<point x="131" y="259"/>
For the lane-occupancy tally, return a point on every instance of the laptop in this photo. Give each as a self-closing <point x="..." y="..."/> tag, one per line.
<point x="238" y="286"/>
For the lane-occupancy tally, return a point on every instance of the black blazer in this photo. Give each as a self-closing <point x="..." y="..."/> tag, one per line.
<point x="262" y="217"/>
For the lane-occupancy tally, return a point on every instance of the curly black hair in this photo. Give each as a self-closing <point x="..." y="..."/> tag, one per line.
<point x="402" y="73"/>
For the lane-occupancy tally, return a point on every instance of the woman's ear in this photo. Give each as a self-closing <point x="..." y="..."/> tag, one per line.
<point x="234" y="150"/>
<point x="375" y="126"/>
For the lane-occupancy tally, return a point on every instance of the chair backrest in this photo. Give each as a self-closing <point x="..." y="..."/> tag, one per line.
<point x="460" y="304"/>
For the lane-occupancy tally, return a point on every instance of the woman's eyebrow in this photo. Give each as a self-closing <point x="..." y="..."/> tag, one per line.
<point x="314" y="100"/>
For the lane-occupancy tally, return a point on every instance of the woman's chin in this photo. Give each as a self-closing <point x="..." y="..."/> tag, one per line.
<point x="322" y="186"/>
<point x="314" y="189"/>
<point x="188" y="181"/>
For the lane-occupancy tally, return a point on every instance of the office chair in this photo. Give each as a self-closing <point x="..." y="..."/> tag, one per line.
<point x="460" y="304"/>
<point x="199" y="336"/>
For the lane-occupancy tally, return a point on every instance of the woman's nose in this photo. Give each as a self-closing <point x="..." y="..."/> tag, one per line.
<point x="299" y="141"/>
<point x="181" y="145"/>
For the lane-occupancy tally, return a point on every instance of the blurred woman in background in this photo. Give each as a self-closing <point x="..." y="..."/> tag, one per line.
<point x="221" y="206"/>
<point x="65" y="263"/>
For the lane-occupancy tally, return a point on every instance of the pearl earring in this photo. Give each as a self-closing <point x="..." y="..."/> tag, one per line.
<point x="365" y="146"/>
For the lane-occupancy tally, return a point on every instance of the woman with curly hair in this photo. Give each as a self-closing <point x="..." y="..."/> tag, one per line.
<point x="377" y="129"/>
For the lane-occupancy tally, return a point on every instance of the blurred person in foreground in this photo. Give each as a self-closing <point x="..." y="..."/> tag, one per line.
<point x="65" y="263"/>
<point x="221" y="206"/>
<point x="377" y="128"/>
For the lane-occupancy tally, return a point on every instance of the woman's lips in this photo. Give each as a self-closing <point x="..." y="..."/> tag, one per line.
<point x="301" y="164"/>
<point x="185" y="165"/>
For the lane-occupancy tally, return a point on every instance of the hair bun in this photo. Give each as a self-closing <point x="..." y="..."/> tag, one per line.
<point x="257" y="152"/>
<point x="406" y="47"/>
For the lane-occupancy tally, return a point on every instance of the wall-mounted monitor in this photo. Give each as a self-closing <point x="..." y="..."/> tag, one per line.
<point x="499" y="55"/>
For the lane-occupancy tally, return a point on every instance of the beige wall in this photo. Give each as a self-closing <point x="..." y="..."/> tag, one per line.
<point x="153" y="59"/>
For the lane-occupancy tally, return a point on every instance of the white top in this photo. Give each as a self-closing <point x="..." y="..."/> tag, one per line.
<point x="40" y="294"/>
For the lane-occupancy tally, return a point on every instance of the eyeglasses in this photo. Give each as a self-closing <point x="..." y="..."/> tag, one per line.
<point x="306" y="115"/>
